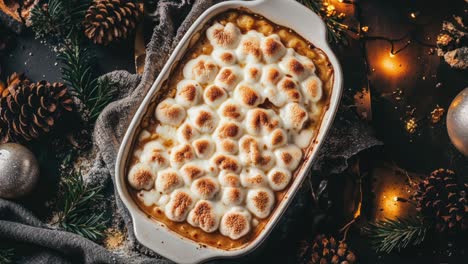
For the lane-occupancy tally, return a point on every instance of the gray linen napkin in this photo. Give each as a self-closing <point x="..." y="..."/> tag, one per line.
<point x="173" y="18"/>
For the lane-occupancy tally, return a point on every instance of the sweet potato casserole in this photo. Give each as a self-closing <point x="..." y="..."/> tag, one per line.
<point x="229" y="129"/>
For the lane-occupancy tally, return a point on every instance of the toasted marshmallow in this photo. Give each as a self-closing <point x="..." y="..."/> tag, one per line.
<point x="272" y="48"/>
<point x="203" y="118"/>
<point x="187" y="133"/>
<point x="170" y="113"/>
<point x="294" y="67"/>
<point x="163" y="200"/>
<point x="248" y="95"/>
<point x="181" y="154"/>
<point x="232" y="196"/>
<point x="188" y="93"/>
<point x="228" y="77"/>
<point x="179" y="205"/>
<point x="293" y="116"/>
<point x="235" y="223"/>
<point x="227" y="146"/>
<point x="224" y="37"/>
<point x="204" y="216"/>
<point x="249" y="48"/>
<point x="252" y="73"/>
<point x="229" y="130"/>
<point x="286" y="91"/>
<point x="247" y="145"/>
<point x="226" y="162"/>
<point x="166" y="133"/>
<point x="224" y="57"/>
<point x="277" y="138"/>
<point x="168" y="180"/>
<point x="202" y="69"/>
<point x="229" y="179"/>
<point x="312" y="89"/>
<point x="308" y="63"/>
<point x="154" y="154"/>
<point x="232" y="110"/>
<point x="265" y="161"/>
<point x="204" y="147"/>
<point x="214" y="95"/>
<point x="259" y="121"/>
<point x="252" y="177"/>
<point x="260" y="202"/>
<point x="278" y="178"/>
<point x="271" y="76"/>
<point x="191" y="171"/>
<point x="149" y="198"/>
<point x="144" y="135"/>
<point x="303" y="138"/>
<point x="288" y="157"/>
<point x="141" y="177"/>
<point x="288" y="84"/>
<point x="205" y="188"/>
<point x="251" y="155"/>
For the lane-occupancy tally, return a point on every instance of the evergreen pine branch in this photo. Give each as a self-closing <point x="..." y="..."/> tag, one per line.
<point x="102" y="95"/>
<point x="336" y="31"/>
<point x="388" y="235"/>
<point x="6" y="255"/>
<point x="48" y="21"/>
<point x="77" y="71"/>
<point x="78" y="214"/>
<point x="58" y="18"/>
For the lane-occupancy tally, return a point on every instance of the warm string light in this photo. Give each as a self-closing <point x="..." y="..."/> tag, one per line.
<point x="362" y="31"/>
<point x="389" y="62"/>
<point x="414" y="15"/>
<point x="345" y="1"/>
<point x="393" y="193"/>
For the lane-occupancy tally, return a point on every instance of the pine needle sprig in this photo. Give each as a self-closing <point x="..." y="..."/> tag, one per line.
<point x="102" y="95"/>
<point x="78" y="213"/>
<point x="395" y="234"/>
<point x="48" y="20"/>
<point x="336" y="30"/>
<point x="78" y="72"/>
<point x="6" y="255"/>
<point x="58" y="18"/>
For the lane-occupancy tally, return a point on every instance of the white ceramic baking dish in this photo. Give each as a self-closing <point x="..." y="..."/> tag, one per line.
<point x="156" y="236"/>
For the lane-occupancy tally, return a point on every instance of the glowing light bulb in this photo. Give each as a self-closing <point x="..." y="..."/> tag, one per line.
<point x="413" y="15"/>
<point x="389" y="64"/>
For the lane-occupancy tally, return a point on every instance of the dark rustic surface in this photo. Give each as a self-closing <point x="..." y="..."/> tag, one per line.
<point x="423" y="151"/>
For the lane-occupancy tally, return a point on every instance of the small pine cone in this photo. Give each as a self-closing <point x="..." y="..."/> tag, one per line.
<point x="324" y="250"/>
<point x="13" y="81"/>
<point x="109" y="20"/>
<point x="443" y="201"/>
<point x="28" y="111"/>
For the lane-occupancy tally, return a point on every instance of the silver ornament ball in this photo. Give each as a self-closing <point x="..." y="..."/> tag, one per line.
<point x="457" y="122"/>
<point x="19" y="171"/>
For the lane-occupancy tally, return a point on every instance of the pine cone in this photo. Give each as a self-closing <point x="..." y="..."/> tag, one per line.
<point x="109" y="20"/>
<point x="28" y="111"/>
<point x="452" y="42"/>
<point x="13" y="81"/>
<point x="442" y="200"/>
<point x="324" y="250"/>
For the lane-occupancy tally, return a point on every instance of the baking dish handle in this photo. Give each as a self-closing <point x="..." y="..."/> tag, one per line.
<point x="301" y="14"/>
<point x="273" y="0"/>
